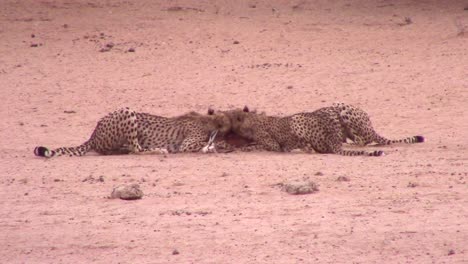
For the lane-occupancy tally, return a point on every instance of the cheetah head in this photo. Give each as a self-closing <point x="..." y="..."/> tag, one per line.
<point x="220" y="120"/>
<point x="241" y="120"/>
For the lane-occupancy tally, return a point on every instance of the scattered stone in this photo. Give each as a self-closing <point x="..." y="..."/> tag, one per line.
<point x="342" y="179"/>
<point x="33" y="36"/>
<point x="34" y="45"/>
<point x="23" y="181"/>
<point x="181" y="8"/>
<point x="451" y="252"/>
<point x="407" y="21"/>
<point x="178" y="183"/>
<point x="91" y="179"/>
<point x="300" y="187"/>
<point x="319" y="173"/>
<point x="127" y="192"/>
<point x="289" y="87"/>
<point x="107" y="47"/>
<point x="175" y="8"/>
<point x="69" y="112"/>
<point x="412" y="185"/>
<point x="175" y="252"/>
<point x="131" y="50"/>
<point x="235" y="42"/>
<point x="65" y="25"/>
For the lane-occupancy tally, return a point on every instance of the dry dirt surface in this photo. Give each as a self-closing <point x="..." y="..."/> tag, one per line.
<point x="65" y="64"/>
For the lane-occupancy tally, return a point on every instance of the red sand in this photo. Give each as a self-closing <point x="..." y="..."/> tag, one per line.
<point x="282" y="58"/>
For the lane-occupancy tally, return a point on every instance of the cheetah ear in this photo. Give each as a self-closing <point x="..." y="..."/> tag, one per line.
<point x="210" y="111"/>
<point x="246" y="109"/>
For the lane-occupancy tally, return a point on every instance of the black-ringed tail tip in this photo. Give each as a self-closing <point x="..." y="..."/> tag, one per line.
<point x="419" y="139"/>
<point x="41" y="151"/>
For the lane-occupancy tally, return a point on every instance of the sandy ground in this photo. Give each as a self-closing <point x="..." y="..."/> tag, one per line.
<point x="404" y="62"/>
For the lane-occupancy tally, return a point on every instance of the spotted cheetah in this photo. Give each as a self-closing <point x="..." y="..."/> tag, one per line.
<point x="324" y="130"/>
<point x="126" y="131"/>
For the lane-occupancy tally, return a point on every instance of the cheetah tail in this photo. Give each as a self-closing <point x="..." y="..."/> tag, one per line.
<point x="71" y="151"/>
<point x="409" y="140"/>
<point x="375" y="153"/>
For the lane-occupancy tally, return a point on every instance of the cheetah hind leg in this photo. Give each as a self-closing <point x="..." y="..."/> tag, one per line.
<point x="152" y="151"/>
<point x="135" y="147"/>
<point x="210" y="147"/>
<point x="357" y="141"/>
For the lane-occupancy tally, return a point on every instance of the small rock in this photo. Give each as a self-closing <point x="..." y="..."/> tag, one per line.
<point x="127" y="192"/>
<point x="175" y="8"/>
<point x="319" y="173"/>
<point x="34" y="45"/>
<point x="451" y="252"/>
<point x="69" y="112"/>
<point x="235" y="42"/>
<point x="110" y="45"/>
<point x="33" y="36"/>
<point x="342" y="179"/>
<point x="65" y="26"/>
<point x="412" y="185"/>
<point x="289" y="87"/>
<point x="175" y="252"/>
<point x="300" y="187"/>
<point x="90" y="178"/>
<point x="131" y="50"/>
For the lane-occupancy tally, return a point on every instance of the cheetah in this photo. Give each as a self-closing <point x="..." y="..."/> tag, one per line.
<point x="125" y="131"/>
<point x="324" y="130"/>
